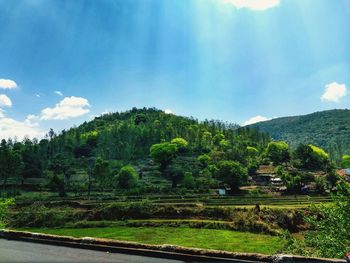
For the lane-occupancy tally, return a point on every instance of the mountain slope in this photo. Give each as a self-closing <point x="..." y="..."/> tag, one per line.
<point x="129" y="135"/>
<point x="327" y="129"/>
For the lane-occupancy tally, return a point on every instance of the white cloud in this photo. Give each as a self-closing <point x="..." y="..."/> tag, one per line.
<point x="37" y="95"/>
<point x="5" y="101"/>
<point x="69" y="107"/>
<point x="32" y="120"/>
<point x="59" y="93"/>
<point x="7" y="84"/>
<point x="257" y="5"/>
<point x="168" y="111"/>
<point x="10" y="128"/>
<point x="255" y="120"/>
<point x="334" y="92"/>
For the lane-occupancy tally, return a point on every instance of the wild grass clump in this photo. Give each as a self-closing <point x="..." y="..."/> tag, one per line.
<point x="38" y="215"/>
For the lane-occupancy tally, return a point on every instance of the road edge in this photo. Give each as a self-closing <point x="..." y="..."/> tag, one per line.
<point x="161" y="251"/>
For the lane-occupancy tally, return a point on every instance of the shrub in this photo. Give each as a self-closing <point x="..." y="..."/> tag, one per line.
<point x="117" y="211"/>
<point x="38" y="215"/>
<point x="188" y="181"/>
<point x="127" y="177"/>
<point x="4" y="205"/>
<point x="204" y="159"/>
<point x="320" y="185"/>
<point x="329" y="235"/>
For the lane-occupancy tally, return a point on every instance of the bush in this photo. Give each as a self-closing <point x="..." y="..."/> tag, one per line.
<point x="117" y="211"/>
<point x="38" y="215"/>
<point x="204" y="159"/>
<point x="4" y="205"/>
<point x="127" y="177"/>
<point x="321" y="185"/>
<point x="329" y="235"/>
<point x="188" y="181"/>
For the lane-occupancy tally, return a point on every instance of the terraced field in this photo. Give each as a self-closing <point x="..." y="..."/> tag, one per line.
<point x="205" y="200"/>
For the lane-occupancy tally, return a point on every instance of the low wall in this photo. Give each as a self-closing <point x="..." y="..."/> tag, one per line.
<point x="163" y="251"/>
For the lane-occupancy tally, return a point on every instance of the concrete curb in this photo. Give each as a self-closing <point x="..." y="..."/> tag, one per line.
<point x="161" y="251"/>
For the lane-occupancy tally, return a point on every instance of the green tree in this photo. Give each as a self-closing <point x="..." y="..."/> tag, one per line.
<point x="311" y="157"/>
<point x="61" y="165"/>
<point x="332" y="178"/>
<point x="320" y="185"/>
<point x="163" y="153"/>
<point x="140" y="118"/>
<point x="102" y="173"/>
<point x="224" y="144"/>
<point x="292" y="182"/>
<point x="204" y="160"/>
<point x="56" y="183"/>
<point x="188" y="181"/>
<point x="252" y="152"/>
<point x="232" y="173"/>
<point x="10" y="164"/>
<point x="345" y="163"/>
<point x="218" y="138"/>
<point x="127" y="177"/>
<point x="175" y="173"/>
<point x="278" y="152"/>
<point x="180" y="143"/>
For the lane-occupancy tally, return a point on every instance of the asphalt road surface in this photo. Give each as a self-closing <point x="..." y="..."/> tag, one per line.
<point x="17" y="251"/>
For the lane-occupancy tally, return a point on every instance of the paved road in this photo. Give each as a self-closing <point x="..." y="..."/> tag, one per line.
<point x="17" y="251"/>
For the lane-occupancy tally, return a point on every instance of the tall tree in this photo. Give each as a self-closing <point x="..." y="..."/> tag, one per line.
<point x="102" y="173"/>
<point x="163" y="153"/>
<point x="278" y="152"/>
<point x="232" y="173"/>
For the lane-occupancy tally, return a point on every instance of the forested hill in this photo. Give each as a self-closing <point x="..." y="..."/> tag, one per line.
<point x="327" y="129"/>
<point x="127" y="137"/>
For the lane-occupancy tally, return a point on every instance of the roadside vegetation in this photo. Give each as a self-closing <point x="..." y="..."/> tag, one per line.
<point x="328" y="232"/>
<point x="4" y="205"/>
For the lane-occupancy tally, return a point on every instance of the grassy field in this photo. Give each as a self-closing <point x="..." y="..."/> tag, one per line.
<point x="183" y="236"/>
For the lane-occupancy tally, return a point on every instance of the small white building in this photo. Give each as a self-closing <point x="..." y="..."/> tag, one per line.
<point x="276" y="181"/>
<point x="222" y="191"/>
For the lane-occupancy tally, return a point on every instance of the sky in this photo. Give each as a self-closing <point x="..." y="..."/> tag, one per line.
<point x="65" y="62"/>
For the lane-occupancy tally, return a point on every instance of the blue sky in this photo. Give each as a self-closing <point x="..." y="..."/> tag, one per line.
<point x="63" y="62"/>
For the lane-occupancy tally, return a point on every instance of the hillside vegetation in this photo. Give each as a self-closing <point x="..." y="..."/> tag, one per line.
<point x="329" y="130"/>
<point x="142" y="149"/>
<point x="146" y="151"/>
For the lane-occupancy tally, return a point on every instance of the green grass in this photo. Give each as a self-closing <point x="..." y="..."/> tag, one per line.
<point x="183" y="236"/>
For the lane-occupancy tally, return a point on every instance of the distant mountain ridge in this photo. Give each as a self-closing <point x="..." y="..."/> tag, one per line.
<point x="327" y="129"/>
